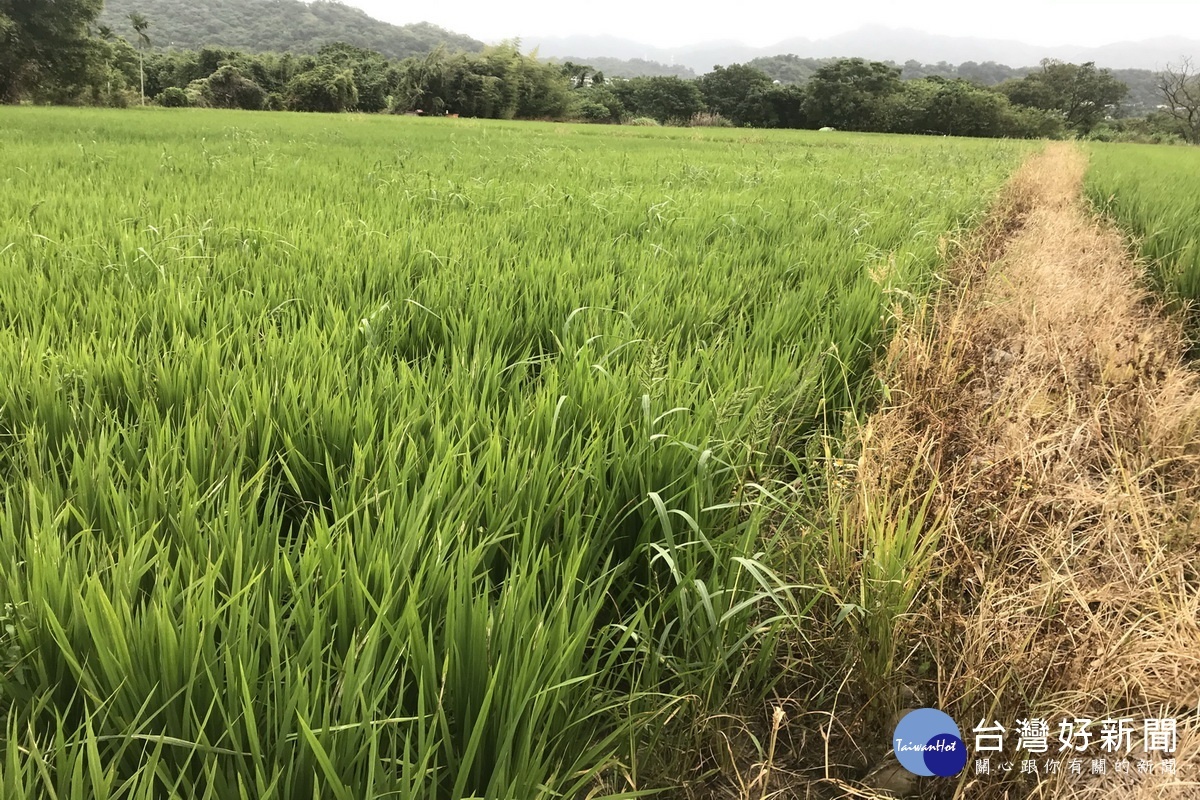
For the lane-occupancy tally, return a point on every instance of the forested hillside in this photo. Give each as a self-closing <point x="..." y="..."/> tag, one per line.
<point x="276" y="25"/>
<point x="1142" y="99"/>
<point x="630" y="67"/>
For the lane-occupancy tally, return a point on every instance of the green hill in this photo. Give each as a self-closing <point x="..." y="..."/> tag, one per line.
<point x="276" y="25"/>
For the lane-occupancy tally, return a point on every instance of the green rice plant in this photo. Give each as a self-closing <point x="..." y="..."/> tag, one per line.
<point x="1150" y="191"/>
<point x="386" y="457"/>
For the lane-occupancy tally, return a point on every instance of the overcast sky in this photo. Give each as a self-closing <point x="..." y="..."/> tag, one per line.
<point x="671" y="23"/>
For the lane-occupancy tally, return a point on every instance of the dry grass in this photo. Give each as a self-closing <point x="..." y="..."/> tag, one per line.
<point x="1055" y="423"/>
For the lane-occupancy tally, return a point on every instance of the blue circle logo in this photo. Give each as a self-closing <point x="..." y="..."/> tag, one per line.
<point x="928" y="743"/>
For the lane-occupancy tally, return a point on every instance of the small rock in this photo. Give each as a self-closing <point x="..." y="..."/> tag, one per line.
<point x="892" y="778"/>
<point x="999" y="356"/>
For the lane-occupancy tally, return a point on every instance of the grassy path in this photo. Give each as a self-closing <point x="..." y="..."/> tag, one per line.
<point x="1058" y="428"/>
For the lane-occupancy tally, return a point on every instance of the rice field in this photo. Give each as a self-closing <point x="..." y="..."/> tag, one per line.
<point x="1152" y="192"/>
<point x="387" y="457"/>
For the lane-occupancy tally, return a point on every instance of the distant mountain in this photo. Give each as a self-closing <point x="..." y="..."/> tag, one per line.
<point x="874" y="42"/>
<point x="1148" y="54"/>
<point x="631" y="67"/>
<point x="276" y="25"/>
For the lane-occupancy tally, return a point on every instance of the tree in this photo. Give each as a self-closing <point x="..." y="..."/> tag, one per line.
<point x="140" y="25"/>
<point x="1031" y="91"/>
<point x="788" y="68"/>
<point x="907" y="110"/>
<point x="782" y="107"/>
<point x="229" y="88"/>
<point x="499" y="83"/>
<point x="42" y="43"/>
<point x="664" y="98"/>
<point x="324" y="88"/>
<point x="989" y="73"/>
<point x="577" y="74"/>
<point x="420" y="80"/>
<point x="374" y="78"/>
<point x="541" y="89"/>
<point x="106" y="35"/>
<point x="599" y="103"/>
<point x="1179" y="86"/>
<point x="852" y="94"/>
<point x="1080" y="92"/>
<point x="959" y="108"/>
<point x="1033" y="123"/>
<point x="731" y="92"/>
<point x="173" y="97"/>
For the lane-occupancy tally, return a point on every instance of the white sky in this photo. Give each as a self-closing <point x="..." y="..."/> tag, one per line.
<point x="673" y="23"/>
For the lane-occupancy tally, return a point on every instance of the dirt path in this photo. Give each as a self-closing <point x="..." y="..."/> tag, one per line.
<point x="1059" y="431"/>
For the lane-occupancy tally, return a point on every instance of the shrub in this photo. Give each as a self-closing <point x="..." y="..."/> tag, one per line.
<point x="708" y="119"/>
<point x="1033" y="123"/>
<point x="592" y="112"/>
<point x="599" y="104"/>
<point x="120" y="98"/>
<point x="646" y="121"/>
<point x="1150" y="130"/>
<point x="195" y="93"/>
<point x="173" y="97"/>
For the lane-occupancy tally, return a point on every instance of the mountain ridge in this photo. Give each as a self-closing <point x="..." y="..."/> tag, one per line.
<point x="276" y="25"/>
<point x="876" y="42"/>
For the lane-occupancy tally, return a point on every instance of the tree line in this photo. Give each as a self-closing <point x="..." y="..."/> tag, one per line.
<point x="55" y="54"/>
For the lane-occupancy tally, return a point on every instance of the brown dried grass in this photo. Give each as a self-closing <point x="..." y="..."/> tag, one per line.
<point x="1058" y="427"/>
